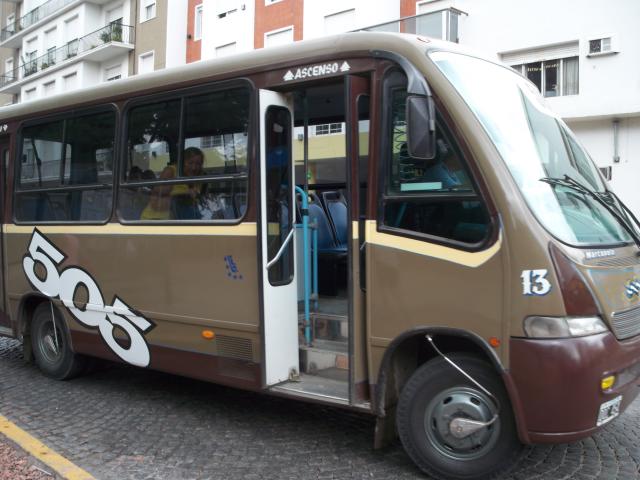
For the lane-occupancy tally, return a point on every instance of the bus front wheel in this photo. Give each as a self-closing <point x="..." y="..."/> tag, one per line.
<point x="435" y="395"/>
<point x="51" y="346"/>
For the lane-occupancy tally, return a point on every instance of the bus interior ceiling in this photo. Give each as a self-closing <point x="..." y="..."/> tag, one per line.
<point x="324" y="362"/>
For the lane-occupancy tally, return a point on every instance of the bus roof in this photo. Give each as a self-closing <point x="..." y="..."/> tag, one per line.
<point x="294" y="53"/>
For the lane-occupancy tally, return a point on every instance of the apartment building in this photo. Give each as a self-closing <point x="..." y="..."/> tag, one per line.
<point x="582" y="57"/>
<point x="54" y="46"/>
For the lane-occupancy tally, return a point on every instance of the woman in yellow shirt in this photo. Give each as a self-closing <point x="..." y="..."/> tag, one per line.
<point x="184" y="195"/>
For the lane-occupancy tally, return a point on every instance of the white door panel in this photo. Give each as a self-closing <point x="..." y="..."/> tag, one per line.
<point x="280" y="300"/>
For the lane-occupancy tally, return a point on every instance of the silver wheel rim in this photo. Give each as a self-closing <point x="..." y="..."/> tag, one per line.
<point x="462" y="402"/>
<point x="51" y="350"/>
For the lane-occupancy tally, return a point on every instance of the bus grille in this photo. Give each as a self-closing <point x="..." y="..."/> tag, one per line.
<point x="619" y="262"/>
<point x="234" y="347"/>
<point x="626" y="324"/>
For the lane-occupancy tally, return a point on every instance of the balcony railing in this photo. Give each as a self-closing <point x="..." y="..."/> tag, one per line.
<point x="439" y="24"/>
<point x="32" y="17"/>
<point x="114" y="32"/>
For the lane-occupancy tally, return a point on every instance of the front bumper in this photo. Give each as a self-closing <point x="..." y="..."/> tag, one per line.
<point x="556" y="383"/>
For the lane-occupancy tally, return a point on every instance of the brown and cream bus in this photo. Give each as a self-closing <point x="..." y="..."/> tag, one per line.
<point x="375" y="221"/>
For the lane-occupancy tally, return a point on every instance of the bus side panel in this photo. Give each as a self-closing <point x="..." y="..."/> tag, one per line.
<point x="182" y="279"/>
<point x="409" y="289"/>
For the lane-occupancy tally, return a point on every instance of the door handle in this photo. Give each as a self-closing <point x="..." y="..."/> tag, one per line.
<point x="282" y="248"/>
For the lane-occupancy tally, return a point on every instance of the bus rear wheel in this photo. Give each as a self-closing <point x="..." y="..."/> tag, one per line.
<point x="435" y="395"/>
<point x="51" y="346"/>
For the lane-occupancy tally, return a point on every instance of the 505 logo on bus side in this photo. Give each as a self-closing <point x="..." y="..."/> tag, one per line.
<point x="95" y="314"/>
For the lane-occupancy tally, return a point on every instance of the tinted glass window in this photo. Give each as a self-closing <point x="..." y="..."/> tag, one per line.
<point x="153" y="135"/>
<point x="216" y="123"/>
<point x="428" y="197"/>
<point x="200" y="140"/>
<point x="279" y="193"/>
<point x="66" y="169"/>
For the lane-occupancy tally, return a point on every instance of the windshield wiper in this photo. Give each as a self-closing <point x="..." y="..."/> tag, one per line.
<point x="599" y="197"/>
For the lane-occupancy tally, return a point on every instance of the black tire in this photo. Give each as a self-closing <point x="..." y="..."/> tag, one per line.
<point x="52" y="349"/>
<point x="437" y="393"/>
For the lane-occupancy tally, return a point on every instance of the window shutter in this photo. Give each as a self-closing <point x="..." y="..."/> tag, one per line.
<point x="552" y="52"/>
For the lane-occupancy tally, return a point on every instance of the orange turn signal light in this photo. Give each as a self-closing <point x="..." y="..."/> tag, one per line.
<point x="494" y="342"/>
<point x="208" y="334"/>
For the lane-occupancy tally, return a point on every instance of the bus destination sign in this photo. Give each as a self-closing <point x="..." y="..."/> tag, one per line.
<point x="318" y="70"/>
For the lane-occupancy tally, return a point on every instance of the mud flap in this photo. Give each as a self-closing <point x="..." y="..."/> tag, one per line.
<point x="385" y="432"/>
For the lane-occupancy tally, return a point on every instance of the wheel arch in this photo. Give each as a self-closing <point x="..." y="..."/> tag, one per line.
<point x="26" y="308"/>
<point x="408" y="351"/>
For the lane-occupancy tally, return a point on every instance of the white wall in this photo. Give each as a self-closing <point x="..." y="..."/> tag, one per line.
<point x="597" y="138"/>
<point x="367" y="13"/>
<point x="236" y="28"/>
<point x="176" y="32"/>
<point x="607" y="83"/>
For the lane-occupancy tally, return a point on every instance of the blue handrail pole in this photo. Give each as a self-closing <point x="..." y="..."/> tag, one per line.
<point x="315" y="265"/>
<point x="307" y="264"/>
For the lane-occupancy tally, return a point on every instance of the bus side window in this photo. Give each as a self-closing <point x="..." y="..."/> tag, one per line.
<point x="66" y="172"/>
<point x="198" y="139"/>
<point x="428" y="198"/>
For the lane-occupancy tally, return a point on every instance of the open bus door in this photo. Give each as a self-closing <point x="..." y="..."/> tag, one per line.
<point x="277" y="232"/>
<point x="5" y="322"/>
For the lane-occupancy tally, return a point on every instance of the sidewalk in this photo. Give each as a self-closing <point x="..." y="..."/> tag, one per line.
<point x="16" y="465"/>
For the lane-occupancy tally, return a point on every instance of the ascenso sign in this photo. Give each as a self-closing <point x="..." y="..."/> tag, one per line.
<point x="318" y="70"/>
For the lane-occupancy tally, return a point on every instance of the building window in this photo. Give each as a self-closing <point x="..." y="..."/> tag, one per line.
<point x="8" y="69"/>
<point x="227" y="13"/>
<point x="553" y="77"/>
<point x="146" y="62"/>
<point x="71" y="29"/>
<point x="211" y="141"/>
<point x="197" y="25"/>
<point x="49" y="88"/>
<point x="70" y="81"/>
<point x="113" y="73"/>
<point x="278" y="37"/>
<point x="328" y="129"/>
<point x="30" y="65"/>
<point x="227" y="49"/>
<point x="30" y="94"/>
<point x="339" y="22"/>
<point x="148" y="10"/>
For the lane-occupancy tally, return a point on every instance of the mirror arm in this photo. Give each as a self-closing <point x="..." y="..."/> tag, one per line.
<point x="416" y="83"/>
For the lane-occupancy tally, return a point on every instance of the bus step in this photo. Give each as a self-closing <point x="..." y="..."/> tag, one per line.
<point x="327" y="327"/>
<point x="323" y="355"/>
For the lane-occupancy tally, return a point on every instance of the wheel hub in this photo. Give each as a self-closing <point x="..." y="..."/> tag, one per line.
<point x="446" y="414"/>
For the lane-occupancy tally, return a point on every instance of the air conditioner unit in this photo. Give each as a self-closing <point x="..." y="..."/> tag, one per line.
<point x="602" y="46"/>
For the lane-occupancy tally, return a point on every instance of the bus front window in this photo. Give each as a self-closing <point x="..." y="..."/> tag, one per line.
<point x="536" y="145"/>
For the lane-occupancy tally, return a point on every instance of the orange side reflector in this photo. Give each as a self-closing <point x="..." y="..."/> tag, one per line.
<point x="208" y="334"/>
<point x="494" y="342"/>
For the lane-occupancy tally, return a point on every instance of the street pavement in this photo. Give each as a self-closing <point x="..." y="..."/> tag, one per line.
<point x="121" y="423"/>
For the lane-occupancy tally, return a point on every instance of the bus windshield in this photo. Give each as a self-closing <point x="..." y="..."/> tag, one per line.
<point x="538" y="149"/>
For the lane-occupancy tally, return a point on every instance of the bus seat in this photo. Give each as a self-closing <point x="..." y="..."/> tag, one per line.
<point x="337" y="212"/>
<point x="228" y="211"/>
<point x="326" y="243"/>
<point x="240" y="202"/>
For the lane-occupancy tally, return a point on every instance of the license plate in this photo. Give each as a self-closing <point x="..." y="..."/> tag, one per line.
<point x="609" y="410"/>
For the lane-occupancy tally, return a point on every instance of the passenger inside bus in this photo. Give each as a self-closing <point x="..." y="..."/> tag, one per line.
<point x="177" y="201"/>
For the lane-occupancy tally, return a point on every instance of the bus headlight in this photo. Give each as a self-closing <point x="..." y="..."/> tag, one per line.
<point x="563" y="327"/>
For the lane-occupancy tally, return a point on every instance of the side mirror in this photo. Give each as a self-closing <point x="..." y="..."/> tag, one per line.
<point x="421" y="127"/>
